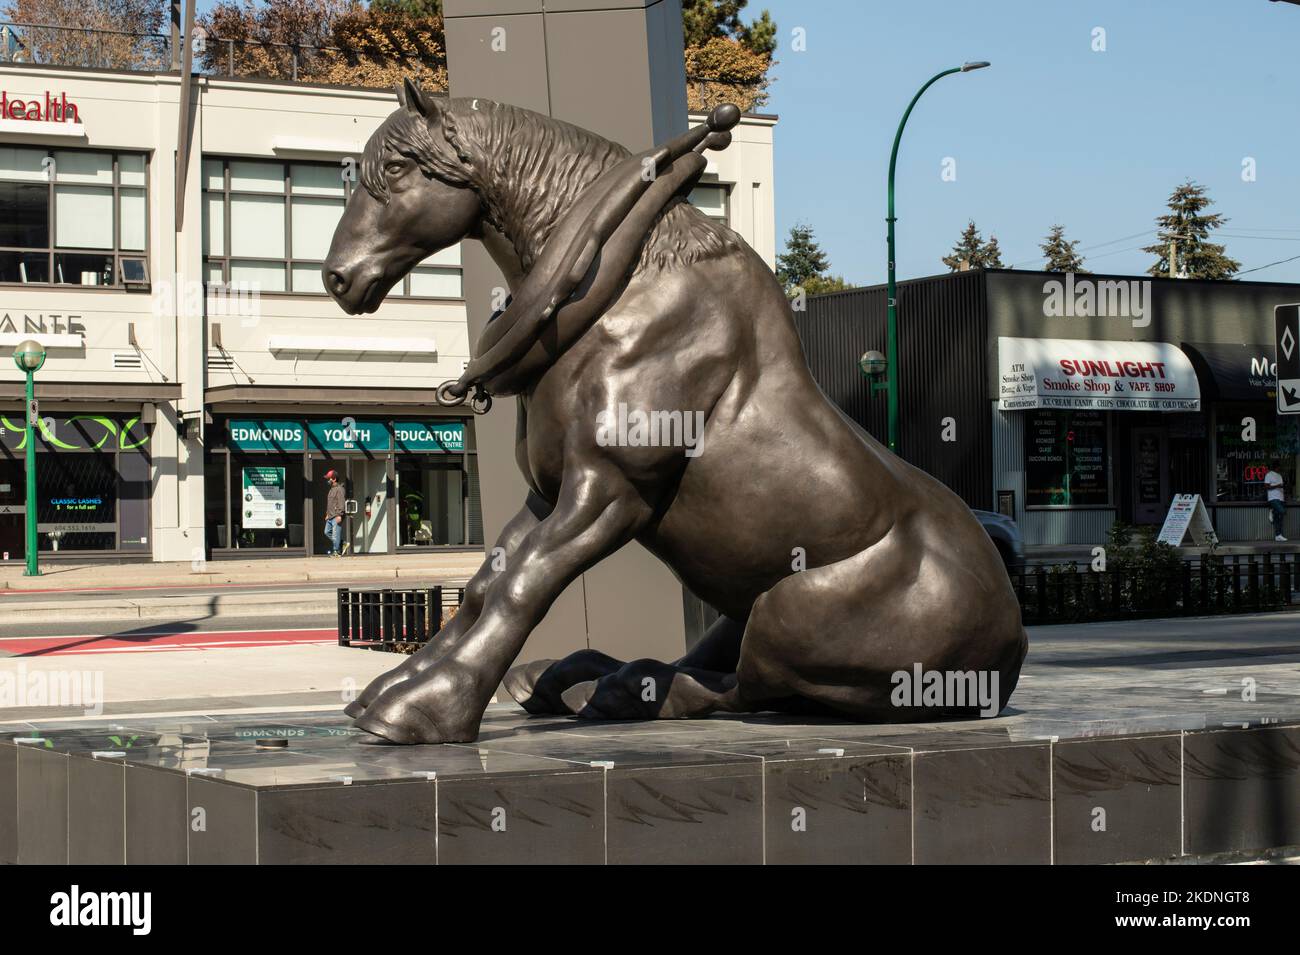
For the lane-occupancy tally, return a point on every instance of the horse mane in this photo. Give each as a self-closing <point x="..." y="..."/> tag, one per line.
<point x="528" y="169"/>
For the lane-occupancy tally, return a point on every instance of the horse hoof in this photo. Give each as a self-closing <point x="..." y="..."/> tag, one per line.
<point x="413" y="727"/>
<point x="354" y="709"/>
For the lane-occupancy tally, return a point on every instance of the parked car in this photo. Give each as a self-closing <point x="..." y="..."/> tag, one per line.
<point x="1006" y="538"/>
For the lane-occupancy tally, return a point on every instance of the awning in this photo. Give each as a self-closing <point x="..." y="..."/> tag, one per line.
<point x="1101" y="375"/>
<point x="1234" y="372"/>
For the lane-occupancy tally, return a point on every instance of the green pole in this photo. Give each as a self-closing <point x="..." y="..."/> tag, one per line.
<point x="33" y="567"/>
<point x="891" y="326"/>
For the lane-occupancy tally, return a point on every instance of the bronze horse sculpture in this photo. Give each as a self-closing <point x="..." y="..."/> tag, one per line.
<point x="835" y="565"/>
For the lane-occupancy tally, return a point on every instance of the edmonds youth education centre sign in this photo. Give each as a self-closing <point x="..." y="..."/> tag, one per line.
<point x="1098" y="375"/>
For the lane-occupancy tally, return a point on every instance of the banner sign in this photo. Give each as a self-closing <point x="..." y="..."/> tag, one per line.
<point x="78" y="432"/>
<point x="429" y="435"/>
<point x="262" y="501"/>
<point x="266" y="435"/>
<point x="1095" y="375"/>
<point x="345" y="434"/>
<point x="349" y="435"/>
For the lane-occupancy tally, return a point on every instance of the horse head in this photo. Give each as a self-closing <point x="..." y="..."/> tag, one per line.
<point x="417" y="200"/>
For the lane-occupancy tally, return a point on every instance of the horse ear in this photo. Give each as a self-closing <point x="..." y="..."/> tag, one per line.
<point x="409" y="95"/>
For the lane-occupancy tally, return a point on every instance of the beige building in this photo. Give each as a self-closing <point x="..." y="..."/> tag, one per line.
<point x="199" y="383"/>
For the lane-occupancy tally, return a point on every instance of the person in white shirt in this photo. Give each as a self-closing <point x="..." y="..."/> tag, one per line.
<point x="1276" y="502"/>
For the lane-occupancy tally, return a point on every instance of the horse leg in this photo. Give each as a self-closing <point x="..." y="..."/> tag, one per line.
<point x="597" y="513"/>
<point x="508" y="541"/>
<point x="539" y="687"/>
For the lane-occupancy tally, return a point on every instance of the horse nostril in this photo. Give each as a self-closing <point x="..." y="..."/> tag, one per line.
<point x="336" y="282"/>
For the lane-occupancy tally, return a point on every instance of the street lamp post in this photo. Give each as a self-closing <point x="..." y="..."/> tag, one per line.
<point x="29" y="356"/>
<point x="891" y="328"/>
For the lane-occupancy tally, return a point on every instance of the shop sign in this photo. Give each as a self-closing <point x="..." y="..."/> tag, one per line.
<point x="262" y="500"/>
<point x="82" y="432"/>
<point x="49" y="112"/>
<point x="348" y="434"/>
<point x="260" y="435"/>
<point x="1187" y="515"/>
<point x="1095" y="375"/>
<point x="1286" y="320"/>
<point x="429" y="435"/>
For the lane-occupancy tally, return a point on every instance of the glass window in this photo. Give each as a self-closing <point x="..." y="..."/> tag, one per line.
<point x="711" y="200"/>
<point x="76" y="501"/>
<point x="1243" y="456"/>
<point x="97" y="203"/>
<point x="1067" y="458"/>
<point x="258" y="483"/>
<point x="131" y="220"/>
<point x="263" y="276"/>
<point x="287" y="253"/>
<point x="436" y="282"/>
<point x="214" y="225"/>
<point x="256" y="176"/>
<point x="19" y="163"/>
<point x="26" y="219"/>
<point x="83" y="217"/>
<point x="83" y="167"/>
<point x="430" y="501"/>
<point x="313" y="226"/>
<point x="257" y="226"/>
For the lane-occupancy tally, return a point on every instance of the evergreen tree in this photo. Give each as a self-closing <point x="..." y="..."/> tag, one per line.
<point x="1188" y="227"/>
<point x="417" y="9"/>
<point x="1060" y="253"/>
<point x="972" y="252"/>
<point x="804" y="265"/>
<point x="702" y="20"/>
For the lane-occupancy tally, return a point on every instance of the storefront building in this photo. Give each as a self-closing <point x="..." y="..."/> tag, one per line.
<point x="1072" y="403"/>
<point x="199" y="381"/>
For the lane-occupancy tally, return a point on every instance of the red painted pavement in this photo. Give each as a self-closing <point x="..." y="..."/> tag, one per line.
<point x="161" y="640"/>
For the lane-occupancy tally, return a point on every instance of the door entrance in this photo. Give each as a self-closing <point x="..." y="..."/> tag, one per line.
<point x="13" y="507"/>
<point x="369" y="525"/>
<point x="1150" y="476"/>
<point x="366" y="517"/>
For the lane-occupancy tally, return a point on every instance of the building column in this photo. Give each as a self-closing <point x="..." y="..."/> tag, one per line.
<point x="614" y="67"/>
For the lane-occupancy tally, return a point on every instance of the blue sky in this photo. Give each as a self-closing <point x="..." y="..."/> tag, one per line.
<point x="1053" y="132"/>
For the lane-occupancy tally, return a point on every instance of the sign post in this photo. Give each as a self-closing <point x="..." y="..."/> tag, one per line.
<point x="1286" y="321"/>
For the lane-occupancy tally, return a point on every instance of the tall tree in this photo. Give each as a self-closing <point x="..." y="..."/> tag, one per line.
<point x="1060" y="253"/>
<point x="703" y="20"/>
<point x="804" y="265"/>
<point x="418" y="9"/>
<point x="972" y="252"/>
<point x="1186" y="227"/>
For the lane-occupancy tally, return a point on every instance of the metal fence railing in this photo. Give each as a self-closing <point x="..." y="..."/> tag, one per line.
<point x="90" y="47"/>
<point x="1070" y="593"/>
<point x="393" y="619"/>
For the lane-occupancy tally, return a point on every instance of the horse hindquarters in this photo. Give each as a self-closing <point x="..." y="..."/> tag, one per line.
<point x="833" y="638"/>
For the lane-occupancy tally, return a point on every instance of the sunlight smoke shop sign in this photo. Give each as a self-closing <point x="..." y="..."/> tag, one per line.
<point x="429" y="435"/>
<point x="1095" y="375"/>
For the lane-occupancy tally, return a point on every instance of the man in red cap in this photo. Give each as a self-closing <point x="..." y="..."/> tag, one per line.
<point x="334" y="502"/>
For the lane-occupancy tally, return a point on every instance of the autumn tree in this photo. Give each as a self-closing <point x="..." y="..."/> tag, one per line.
<point x="1186" y="227"/>
<point x="1060" y="253"/>
<point x="726" y="60"/>
<point x="136" y="44"/>
<point x="972" y="252"/>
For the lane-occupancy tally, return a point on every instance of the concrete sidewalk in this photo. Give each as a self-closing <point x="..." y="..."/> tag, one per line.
<point x="417" y="568"/>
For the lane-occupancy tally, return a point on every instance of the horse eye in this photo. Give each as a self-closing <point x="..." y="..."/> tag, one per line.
<point x="394" y="168"/>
